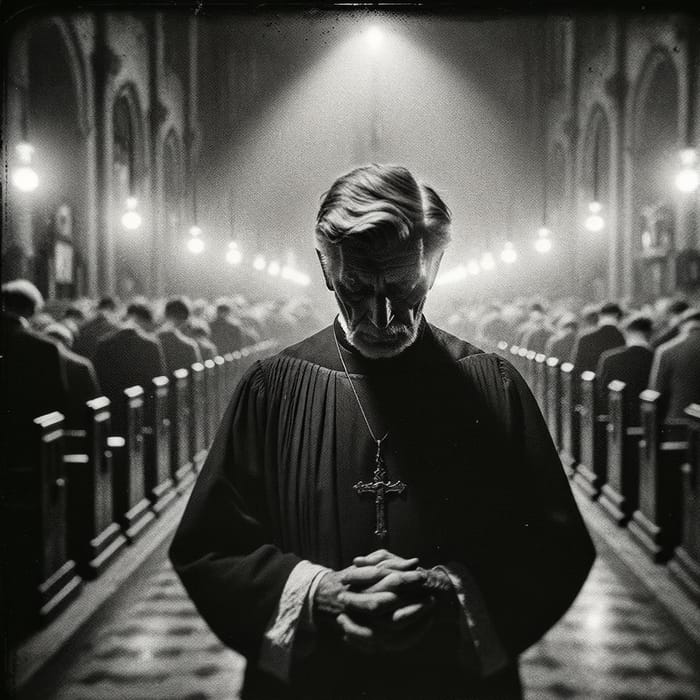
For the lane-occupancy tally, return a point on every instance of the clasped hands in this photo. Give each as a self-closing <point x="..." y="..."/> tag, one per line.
<point x="383" y="602"/>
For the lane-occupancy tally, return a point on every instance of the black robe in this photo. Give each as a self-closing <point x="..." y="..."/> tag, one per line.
<point x="484" y="487"/>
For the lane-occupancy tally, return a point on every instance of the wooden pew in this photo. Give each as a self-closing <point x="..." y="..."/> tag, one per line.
<point x="211" y="391"/>
<point x="94" y="537"/>
<point x="685" y="565"/>
<point x="40" y="579"/>
<point x="553" y="414"/>
<point x="620" y="495"/>
<point x="156" y="431"/>
<point x="522" y="363"/>
<point x="229" y="374"/>
<point x="530" y="376"/>
<point x="569" y="419"/>
<point x="656" y="524"/>
<point x="198" y="424"/>
<point x="131" y="507"/>
<point x="591" y="470"/>
<point x="181" y="469"/>
<point x="222" y="395"/>
<point x="541" y="381"/>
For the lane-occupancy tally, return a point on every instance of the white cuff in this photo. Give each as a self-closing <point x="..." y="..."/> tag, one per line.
<point x="475" y="623"/>
<point x="277" y="648"/>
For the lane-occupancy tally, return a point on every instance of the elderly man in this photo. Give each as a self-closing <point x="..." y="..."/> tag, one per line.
<point x="382" y="513"/>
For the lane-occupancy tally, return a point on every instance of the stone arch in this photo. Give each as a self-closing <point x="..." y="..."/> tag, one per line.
<point x="173" y="184"/>
<point x="595" y="184"/>
<point x="129" y="171"/>
<point x="655" y="139"/>
<point x="57" y="121"/>
<point x="556" y="182"/>
<point x="596" y="160"/>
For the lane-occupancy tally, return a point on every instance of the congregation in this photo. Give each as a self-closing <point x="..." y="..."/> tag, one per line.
<point x="652" y="346"/>
<point x="90" y="348"/>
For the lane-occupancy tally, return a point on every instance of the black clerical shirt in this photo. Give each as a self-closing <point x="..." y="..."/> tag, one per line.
<point x="485" y="489"/>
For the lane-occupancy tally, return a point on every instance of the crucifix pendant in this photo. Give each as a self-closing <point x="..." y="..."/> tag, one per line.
<point x="381" y="488"/>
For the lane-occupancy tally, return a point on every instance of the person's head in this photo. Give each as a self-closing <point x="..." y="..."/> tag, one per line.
<point x="676" y="309"/>
<point x="177" y="310"/>
<point x="610" y="312"/>
<point x="61" y="333"/>
<point x="223" y="309"/>
<point x="107" y="304"/>
<point x="691" y="316"/>
<point x="638" y="328"/>
<point x="537" y="312"/>
<point x="74" y="314"/>
<point x="380" y="236"/>
<point x="141" y="314"/>
<point x="567" y="322"/>
<point x="21" y="298"/>
<point x="198" y="328"/>
<point x="589" y="316"/>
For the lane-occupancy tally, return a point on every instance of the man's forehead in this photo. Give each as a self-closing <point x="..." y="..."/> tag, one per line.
<point x="394" y="257"/>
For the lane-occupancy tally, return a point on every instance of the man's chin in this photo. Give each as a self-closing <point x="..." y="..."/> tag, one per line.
<point x="376" y="349"/>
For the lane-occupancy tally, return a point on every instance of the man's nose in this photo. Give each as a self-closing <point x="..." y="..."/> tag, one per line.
<point x="381" y="313"/>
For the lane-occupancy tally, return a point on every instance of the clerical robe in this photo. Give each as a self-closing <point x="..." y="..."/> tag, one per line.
<point x="485" y="489"/>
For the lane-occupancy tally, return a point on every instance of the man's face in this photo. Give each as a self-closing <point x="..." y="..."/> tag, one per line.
<point x="381" y="295"/>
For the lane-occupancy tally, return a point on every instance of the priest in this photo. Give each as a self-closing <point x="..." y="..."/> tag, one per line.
<point x="382" y="513"/>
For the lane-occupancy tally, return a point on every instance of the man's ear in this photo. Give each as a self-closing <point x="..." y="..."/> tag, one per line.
<point x="323" y="262"/>
<point x="434" y="266"/>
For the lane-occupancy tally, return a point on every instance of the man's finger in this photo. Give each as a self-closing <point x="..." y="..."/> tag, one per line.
<point x="372" y="604"/>
<point x="362" y="576"/>
<point x="409" y="614"/>
<point x="387" y="560"/>
<point x="399" y="582"/>
<point x="356" y="635"/>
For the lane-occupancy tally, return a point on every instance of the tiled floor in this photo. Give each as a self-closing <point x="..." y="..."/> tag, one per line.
<point x="615" y="642"/>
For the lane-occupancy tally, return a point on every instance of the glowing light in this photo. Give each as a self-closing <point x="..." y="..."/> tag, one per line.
<point x="487" y="262"/>
<point x="473" y="267"/>
<point x="131" y="203"/>
<point x="259" y="262"/>
<point x="273" y="268"/>
<point x="234" y="256"/>
<point x="375" y="37"/>
<point x="508" y="254"/>
<point x="25" y="179"/>
<point x="594" y="221"/>
<point x="543" y="242"/>
<point x="451" y="276"/>
<point x="687" y="180"/>
<point x="25" y="151"/>
<point x="195" y="245"/>
<point x="543" y="245"/>
<point x="195" y="231"/>
<point x="131" y="220"/>
<point x="688" y="156"/>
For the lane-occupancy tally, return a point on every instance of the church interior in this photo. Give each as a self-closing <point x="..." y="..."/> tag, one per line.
<point x="164" y="166"/>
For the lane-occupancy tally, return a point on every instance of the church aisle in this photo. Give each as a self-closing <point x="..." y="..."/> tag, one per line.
<point x="615" y="643"/>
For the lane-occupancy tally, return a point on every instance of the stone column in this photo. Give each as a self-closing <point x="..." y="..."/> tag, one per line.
<point x="156" y="118"/>
<point x="617" y="86"/>
<point x="106" y="65"/>
<point x="17" y="243"/>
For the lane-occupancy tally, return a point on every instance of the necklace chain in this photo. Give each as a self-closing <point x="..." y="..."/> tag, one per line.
<point x="357" y="398"/>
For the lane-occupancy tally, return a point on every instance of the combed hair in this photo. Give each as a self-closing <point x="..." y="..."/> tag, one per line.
<point x="178" y="308"/>
<point x="22" y="298"/>
<point x="375" y="205"/>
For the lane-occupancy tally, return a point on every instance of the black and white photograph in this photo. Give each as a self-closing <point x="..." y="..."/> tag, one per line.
<point x="350" y="351"/>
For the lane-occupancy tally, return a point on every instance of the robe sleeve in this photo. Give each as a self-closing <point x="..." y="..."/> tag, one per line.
<point x="530" y="585"/>
<point x="223" y="550"/>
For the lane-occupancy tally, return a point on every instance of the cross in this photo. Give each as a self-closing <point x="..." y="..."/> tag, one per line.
<point x="381" y="488"/>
